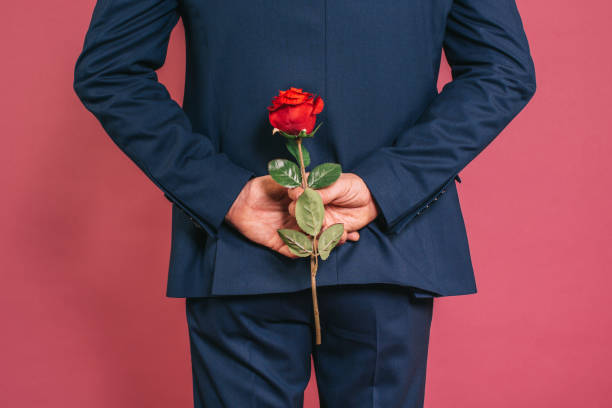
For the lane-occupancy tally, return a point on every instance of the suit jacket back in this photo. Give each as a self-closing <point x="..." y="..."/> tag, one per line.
<point x="375" y="64"/>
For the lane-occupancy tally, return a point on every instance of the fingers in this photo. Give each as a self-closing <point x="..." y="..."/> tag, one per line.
<point x="346" y="236"/>
<point x="291" y="208"/>
<point x="295" y="192"/>
<point x="349" y="236"/>
<point x="328" y="194"/>
<point x="353" y="236"/>
<point x="284" y="250"/>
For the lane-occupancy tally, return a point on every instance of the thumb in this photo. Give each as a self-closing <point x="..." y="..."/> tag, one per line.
<point x="333" y="192"/>
<point x="295" y="192"/>
<point x="328" y="194"/>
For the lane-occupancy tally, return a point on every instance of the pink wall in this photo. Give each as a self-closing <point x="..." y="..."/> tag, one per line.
<point x="85" y="237"/>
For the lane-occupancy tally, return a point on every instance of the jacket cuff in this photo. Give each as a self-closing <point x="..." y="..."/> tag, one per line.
<point x="398" y="201"/>
<point x="207" y="204"/>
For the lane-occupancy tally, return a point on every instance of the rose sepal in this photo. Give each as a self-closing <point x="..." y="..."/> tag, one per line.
<point x="302" y="133"/>
<point x="311" y="134"/>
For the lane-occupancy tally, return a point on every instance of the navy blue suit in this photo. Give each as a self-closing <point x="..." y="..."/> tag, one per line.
<point x="375" y="64"/>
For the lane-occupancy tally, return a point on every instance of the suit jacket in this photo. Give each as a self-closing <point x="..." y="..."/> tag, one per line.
<point x="375" y="64"/>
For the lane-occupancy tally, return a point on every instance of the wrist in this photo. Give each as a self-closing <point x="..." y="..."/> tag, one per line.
<point x="234" y="208"/>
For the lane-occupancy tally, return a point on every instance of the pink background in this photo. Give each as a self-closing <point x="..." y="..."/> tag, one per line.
<point x="85" y="237"/>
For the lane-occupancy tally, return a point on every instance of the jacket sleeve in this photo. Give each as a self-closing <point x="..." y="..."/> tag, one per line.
<point x="493" y="78"/>
<point x="115" y="78"/>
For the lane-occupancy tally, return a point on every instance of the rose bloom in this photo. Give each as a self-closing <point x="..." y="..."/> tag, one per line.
<point x="293" y="110"/>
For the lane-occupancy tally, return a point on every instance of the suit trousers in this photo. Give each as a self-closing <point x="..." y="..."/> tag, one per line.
<point x="255" y="350"/>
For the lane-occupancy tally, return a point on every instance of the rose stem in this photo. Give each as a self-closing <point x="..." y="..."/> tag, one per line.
<point x="314" y="260"/>
<point x="313" y="285"/>
<point x="302" y="167"/>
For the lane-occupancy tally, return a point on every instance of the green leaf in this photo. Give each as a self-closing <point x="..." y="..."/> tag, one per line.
<point x="293" y="149"/>
<point x="285" y="172"/>
<point x="309" y="211"/>
<point x="299" y="243"/>
<point x="329" y="239"/>
<point x="323" y="175"/>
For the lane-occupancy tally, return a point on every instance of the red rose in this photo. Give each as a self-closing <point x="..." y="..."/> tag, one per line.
<point x="293" y="110"/>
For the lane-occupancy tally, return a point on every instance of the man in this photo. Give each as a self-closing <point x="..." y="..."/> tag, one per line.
<point x="401" y="145"/>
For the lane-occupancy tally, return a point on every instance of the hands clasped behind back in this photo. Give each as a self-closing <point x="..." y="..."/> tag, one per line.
<point x="264" y="206"/>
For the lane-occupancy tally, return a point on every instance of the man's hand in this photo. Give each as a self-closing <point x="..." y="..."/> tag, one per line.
<point x="348" y="200"/>
<point x="260" y="209"/>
